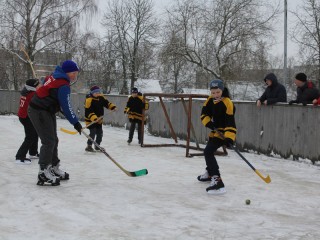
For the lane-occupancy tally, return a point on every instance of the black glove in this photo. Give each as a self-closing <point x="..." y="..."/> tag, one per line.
<point x="210" y="125"/>
<point x="293" y="101"/>
<point x="78" y="127"/>
<point x="228" y="142"/>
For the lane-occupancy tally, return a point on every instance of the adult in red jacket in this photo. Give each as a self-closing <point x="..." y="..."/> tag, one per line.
<point x="30" y="142"/>
<point x="50" y="98"/>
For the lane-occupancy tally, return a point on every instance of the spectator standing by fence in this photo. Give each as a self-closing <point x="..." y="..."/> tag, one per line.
<point x="306" y="90"/>
<point x="275" y="92"/>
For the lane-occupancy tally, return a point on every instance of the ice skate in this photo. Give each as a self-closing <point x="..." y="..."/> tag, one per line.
<point x="99" y="149"/>
<point x="204" y="177"/>
<point x="45" y="177"/>
<point x="216" y="186"/>
<point x="23" y="161"/>
<point x="129" y="141"/>
<point x="89" y="149"/>
<point x="56" y="171"/>
<point x="34" y="156"/>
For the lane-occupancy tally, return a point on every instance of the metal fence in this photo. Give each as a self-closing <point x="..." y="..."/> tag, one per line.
<point x="288" y="131"/>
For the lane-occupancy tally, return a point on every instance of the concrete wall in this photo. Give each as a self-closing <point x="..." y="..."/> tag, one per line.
<point x="288" y="131"/>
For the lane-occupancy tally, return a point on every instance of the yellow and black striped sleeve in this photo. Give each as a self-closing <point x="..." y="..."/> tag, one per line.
<point x="106" y="103"/>
<point x="89" y="113"/>
<point x="230" y="129"/>
<point x="145" y="104"/>
<point x="206" y="113"/>
<point x="127" y="108"/>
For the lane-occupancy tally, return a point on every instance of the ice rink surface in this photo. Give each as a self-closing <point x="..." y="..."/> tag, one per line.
<point x="101" y="202"/>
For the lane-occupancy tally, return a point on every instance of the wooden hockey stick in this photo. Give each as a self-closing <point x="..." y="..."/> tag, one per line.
<point x="29" y="61"/>
<point x="138" y="173"/>
<point x="266" y="179"/>
<point x="75" y="132"/>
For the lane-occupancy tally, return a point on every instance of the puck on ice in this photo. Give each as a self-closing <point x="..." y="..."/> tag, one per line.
<point x="248" y="201"/>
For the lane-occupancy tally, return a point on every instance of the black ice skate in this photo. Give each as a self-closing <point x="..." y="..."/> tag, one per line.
<point x="204" y="177"/>
<point x="56" y="171"/>
<point x="45" y="177"/>
<point x="216" y="186"/>
<point x="129" y="141"/>
<point x="89" y="149"/>
<point x="98" y="149"/>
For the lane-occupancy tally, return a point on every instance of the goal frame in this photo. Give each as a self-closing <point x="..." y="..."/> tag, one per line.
<point x="190" y="129"/>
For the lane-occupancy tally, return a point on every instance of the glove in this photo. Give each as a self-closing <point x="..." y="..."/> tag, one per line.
<point x="210" y="125"/>
<point x="78" y="127"/>
<point x="228" y="142"/>
<point x="293" y="101"/>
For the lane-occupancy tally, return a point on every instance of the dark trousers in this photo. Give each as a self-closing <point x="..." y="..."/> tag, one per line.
<point x="30" y="142"/>
<point x="45" y="124"/>
<point x="212" y="164"/>
<point x="135" y="122"/>
<point x="95" y="132"/>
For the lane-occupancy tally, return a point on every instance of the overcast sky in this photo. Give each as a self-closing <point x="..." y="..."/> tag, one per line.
<point x="278" y="48"/>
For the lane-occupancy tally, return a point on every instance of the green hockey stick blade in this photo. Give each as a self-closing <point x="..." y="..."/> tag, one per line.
<point x="140" y="173"/>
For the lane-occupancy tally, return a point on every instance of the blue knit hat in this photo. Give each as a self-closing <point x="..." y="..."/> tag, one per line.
<point x="95" y="89"/>
<point x="69" y="66"/>
<point x="217" y="83"/>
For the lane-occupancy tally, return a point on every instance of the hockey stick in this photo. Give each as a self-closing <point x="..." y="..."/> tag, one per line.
<point x="75" y="132"/>
<point x="29" y="61"/>
<point x="267" y="179"/>
<point x="130" y="174"/>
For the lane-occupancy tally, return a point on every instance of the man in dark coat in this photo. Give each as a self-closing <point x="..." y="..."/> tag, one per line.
<point x="306" y="90"/>
<point x="275" y="92"/>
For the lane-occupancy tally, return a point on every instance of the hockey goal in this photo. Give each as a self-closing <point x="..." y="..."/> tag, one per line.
<point x="176" y="121"/>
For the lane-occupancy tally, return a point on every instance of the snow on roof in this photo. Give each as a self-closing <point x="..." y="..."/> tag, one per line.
<point x="196" y="91"/>
<point x="148" y="85"/>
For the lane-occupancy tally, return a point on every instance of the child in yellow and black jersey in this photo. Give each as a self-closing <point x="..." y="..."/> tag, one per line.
<point x="217" y="114"/>
<point x="134" y="108"/>
<point x="94" y="108"/>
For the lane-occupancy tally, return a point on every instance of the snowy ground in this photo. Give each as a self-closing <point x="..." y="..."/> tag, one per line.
<point x="101" y="202"/>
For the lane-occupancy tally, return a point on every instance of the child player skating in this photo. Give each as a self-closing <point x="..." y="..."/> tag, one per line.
<point x="134" y="108"/>
<point x="94" y="108"/>
<point x="30" y="142"/>
<point x="217" y="114"/>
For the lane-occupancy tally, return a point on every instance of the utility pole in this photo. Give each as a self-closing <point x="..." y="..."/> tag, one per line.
<point x="285" y="70"/>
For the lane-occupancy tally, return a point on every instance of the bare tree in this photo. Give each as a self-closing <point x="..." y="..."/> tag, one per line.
<point x="307" y="35"/>
<point x="39" y="24"/>
<point x="215" y="32"/>
<point x="133" y="24"/>
<point x="172" y="62"/>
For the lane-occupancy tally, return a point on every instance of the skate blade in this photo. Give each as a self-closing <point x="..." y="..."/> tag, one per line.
<point x="217" y="192"/>
<point x="40" y="183"/>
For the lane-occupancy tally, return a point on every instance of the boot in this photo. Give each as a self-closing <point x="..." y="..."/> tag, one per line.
<point x="45" y="176"/>
<point x="89" y="149"/>
<point x="216" y="186"/>
<point x="56" y="171"/>
<point x="204" y="177"/>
